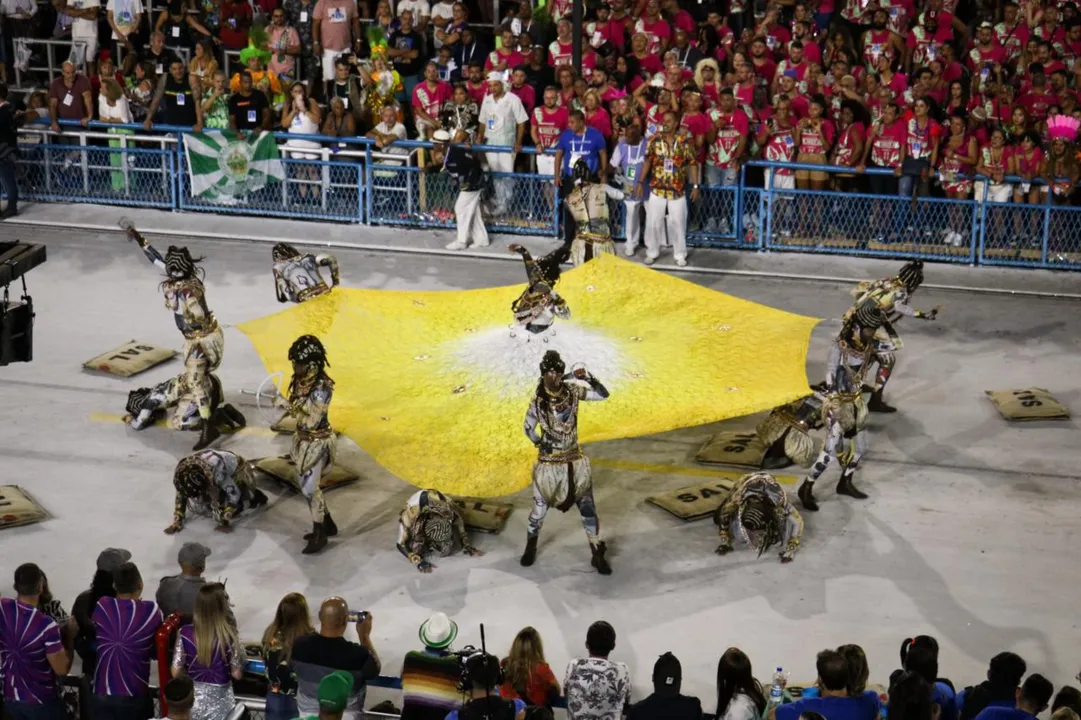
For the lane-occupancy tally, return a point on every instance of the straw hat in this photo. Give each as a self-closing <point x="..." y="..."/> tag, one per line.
<point x="438" y="631"/>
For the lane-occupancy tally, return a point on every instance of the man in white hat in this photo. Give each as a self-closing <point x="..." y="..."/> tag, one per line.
<point x="430" y="676"/>
<point x="503" y="121"/>
<point x="464" y="166"/>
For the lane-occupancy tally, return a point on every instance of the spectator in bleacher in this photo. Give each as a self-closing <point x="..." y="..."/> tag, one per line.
<point x="209" y="652"/>
<point x="538" y="72"/>
<point x="339" y="123"/>
<point x="124" y="17"/>
<point x="503" y="122"/>
<point x="527" y="675"/>
<point x="235" y="20"/>
<point x="158" y="55"/>
<point x="140" y="90"/>
<point x="300" y="15"/>
<point x="404" y="48"/>
<point x="333" y="696"/>
<point x="101" y="585"/>
<point x="920" y="655"/>
<point x="507" y="57"/>
<point x="1004" y="675"/>
<point x="183" y="102"/>
<point x="1033" y="697"/>
<point x="627" y="161"/>
<point x="291" y="621"/>
<point x="422" y="13"/>
<point x="739" y="695"/>
<point x="318" y="654"/>
<point x="113" y="108"/>
<point x="597" y="688"/>
<point x="577" y="141"/>
<point x="249" y="109"/>
<point x="215" y="103"/>
<point x="858" y="670"/>
<point x="124" y="627"/>
<point x="388" y="131"/>
<point x="459" y="116"/>
<point x="347" y="87"/>
<point x="1067" y="697"/>
<point x="429" y="97"/>
<point x="33" y="652"/>
<point x="263" y="79"/>
<point x="833" y="701"/>
<point x="384" y="87"/>
<point x="283" y="44"/>
<point x="521" y="87"/>
<point x="335" y="31"/>
<point x="179" y="697"/>
<point x="177" y="25"/>
<point x="70" y="97"/>
<point x="483" y="697"/>
<point x="910" y="698"/>
<point x="666" y="702"/>
<point x="106" y="69"/>
<point x="176" y="593"/>
<point x="430" y="677"/>
<point x="203" y="64"/>
<point x="84" y="29"/>
<point x="475" y="83"/>
<point x="54" y="609"/>
<point x="448" y="30"/>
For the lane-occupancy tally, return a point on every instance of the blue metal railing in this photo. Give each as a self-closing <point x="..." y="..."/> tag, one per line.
<point x="351" y="180"/>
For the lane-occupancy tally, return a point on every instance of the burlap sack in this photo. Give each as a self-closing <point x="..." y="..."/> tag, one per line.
<point x="1029" y="404"/>
<point x="696" y="501"/>
<point x="742" y="449"/>
<point x="484" y="515"/>
<point x="130" y="359"/>
<point x="286" y="426"/>
<point x="282" y="470"/>
<point x="17" y="508"/>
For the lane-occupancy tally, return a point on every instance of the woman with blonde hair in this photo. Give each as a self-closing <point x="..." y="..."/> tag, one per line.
<point x="526" y="675"/>
<point x="209" y="652"/>
<point x="707" y="76"/>
<point x="291" y="620"/>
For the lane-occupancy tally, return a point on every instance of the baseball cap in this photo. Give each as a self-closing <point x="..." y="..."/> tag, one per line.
<point x="192" y="553"/>
<point x="667" y="674"/>
<point x="110" y="559"/>
<point x="334" y="691"/>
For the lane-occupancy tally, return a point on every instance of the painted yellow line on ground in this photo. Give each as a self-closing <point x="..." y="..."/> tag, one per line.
<point x="245" y="432"/>
<point x="688" y="470"/>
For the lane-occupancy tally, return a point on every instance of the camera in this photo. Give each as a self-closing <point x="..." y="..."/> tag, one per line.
<point x="358" y="616"/>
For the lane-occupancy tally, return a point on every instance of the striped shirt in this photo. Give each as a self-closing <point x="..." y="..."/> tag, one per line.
<point x="125" y="633"/>
<point x="27" y="637"/>
<point x="429" y="686"/>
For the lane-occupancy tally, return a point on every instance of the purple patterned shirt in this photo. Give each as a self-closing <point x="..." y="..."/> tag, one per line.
<point x="221" y="663"/>
<point x="125" y="631"/>
<point x="27" y="637"/>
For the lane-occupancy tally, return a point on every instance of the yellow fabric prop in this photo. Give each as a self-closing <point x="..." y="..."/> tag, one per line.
<point x="435" y="385"/>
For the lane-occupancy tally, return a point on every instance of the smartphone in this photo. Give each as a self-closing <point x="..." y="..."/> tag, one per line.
<point x="357" y="616"/>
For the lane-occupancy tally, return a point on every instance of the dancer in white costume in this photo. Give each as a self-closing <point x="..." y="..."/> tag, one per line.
<point x="298" y="277"/>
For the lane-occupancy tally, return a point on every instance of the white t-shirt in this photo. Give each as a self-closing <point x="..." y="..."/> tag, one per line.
<point x="8" y="7"/>
<point x="441" y="10"/>
<point x="120" y="111"/>
<point x="81" y="27"/>
<point x="741" y="707"/>
<point x="397" y="130"/>
<point x="420" y="8"/>
<point x="501" y="118"/>
<point x="126" y="14"/>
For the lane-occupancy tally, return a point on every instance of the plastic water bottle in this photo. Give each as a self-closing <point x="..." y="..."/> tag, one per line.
<point x="776" y="690"/>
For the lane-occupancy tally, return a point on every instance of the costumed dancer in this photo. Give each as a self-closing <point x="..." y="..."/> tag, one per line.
<point x="562" y="475"/>
<point x="146" y="406"/>
<point x="430" y="524"/>
<point x="314" y="442"/>
<point x="539" y="304"/>
<point x="203" y="339"/>
<point x="217" y="481"/>
<point x="464" y="166"/>
<point x="588" y="205"/>
<point x="786" y="433"/>
<point x="759" y="513"/>
<point x="892" y="295"/>
<point x="297" y="277"/>
<point x="844" y="412"/>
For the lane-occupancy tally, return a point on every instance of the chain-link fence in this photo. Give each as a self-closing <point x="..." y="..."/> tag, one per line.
<point x="72" y="172"/>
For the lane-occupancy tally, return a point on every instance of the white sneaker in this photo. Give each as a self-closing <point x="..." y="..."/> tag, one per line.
<point x="456" y="245"/>
<point x="486" y="243"/>
<point x="650" y="260"/>
<point x="681" y="262"/>
<point x="629" y="250"/>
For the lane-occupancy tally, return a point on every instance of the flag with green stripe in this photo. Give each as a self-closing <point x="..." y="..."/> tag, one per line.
<point x="224" y="167"/>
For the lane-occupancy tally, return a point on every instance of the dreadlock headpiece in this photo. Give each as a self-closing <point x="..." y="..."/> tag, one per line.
<point x="191" y="476"/>
<point x="307" y="350"/>
<point x="436" y="529"/>
<point x="136" y="398"/>
<point x="284" y="251"/>
<point x="758" y="523"/>
<point x="179" y="264"/>
<point x="911" y="275"/>
<point x="869" y="315"/>
<point x="580" y="171"/>
<point x="552" y="361"/>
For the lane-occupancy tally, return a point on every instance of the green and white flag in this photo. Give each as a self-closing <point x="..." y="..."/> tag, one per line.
<point x="223" y="167"/>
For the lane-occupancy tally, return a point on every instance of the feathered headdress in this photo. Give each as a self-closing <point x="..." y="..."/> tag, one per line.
<point x="1063" y="127"/>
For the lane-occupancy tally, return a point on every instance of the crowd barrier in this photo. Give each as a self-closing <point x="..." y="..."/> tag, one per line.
<point x="350" y="180"/>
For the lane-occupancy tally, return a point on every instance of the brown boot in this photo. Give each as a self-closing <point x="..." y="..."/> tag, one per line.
<point x="530" y="553"/>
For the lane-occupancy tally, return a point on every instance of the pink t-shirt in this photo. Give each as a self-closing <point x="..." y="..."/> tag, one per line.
<point x="817" y="141"/>
<point x="781" y="145"/>
<point x="698" y="125"/>
<point x="730" y="128"/>
<point x="886" y="144"/>
<point x="526" y="94"/>
<point x="550" y="124"/>
<point x="336" y="22"/>
<point x="431" y="100"/>
<point x="503" y="59"/>
<point x="846" y="144"/>
<point x="560" y="53"/>
<point x="655" y="32"/>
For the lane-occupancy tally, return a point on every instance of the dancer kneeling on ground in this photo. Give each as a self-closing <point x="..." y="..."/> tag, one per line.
<point x="146" y="406"/>
<point x="297" y="277"/>
<point x="463" y="165"/>
<point x="218" y="481"/>
<point x="562" y="475"/>
<point x="759" y="512"/>
<point x="786" y="433"/>
<point x="430" y="524"/>
<point x="314" y="443"/>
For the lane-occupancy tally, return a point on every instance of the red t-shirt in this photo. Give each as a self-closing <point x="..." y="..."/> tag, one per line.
<point x="886" y="144"/>
<point x="560" y="53"/>
<point x="698" y="125"/>
<point x="550" y="124"/>
<point x="541" y="682"/>
<point x="601" y="121"/>
<point x="431" y="101"/>
<point x="527" y="95"/>
<point x="730" y="128"/>
<point x="655" y="31"/>
<point x="1038" y="103"/>
<point x="236" y="18"/>
<point x="846" y="144"/>
<point x="510" y="60"/>
<point x="477" y="92"/>
<point x="816" y="141"/>
<point x="920" y="142"/>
